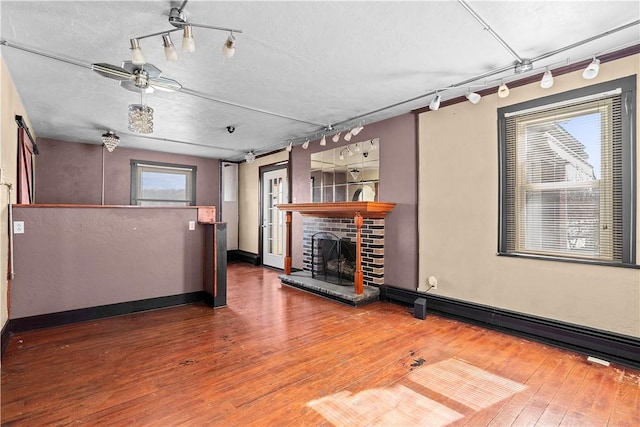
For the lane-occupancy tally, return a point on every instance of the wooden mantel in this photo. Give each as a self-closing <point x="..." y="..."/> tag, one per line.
<point x="356" y="210"/>
<point x="375" y="210"/>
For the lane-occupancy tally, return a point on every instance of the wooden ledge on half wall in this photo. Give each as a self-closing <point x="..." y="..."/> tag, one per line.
<point x="375" y="210"/>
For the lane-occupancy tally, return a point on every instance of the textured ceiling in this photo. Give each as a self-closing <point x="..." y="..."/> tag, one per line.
<point x="299" y="66"/>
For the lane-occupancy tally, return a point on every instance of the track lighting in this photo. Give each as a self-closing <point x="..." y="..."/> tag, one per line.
<point x="305" y="145"/>
<point x="373" y="145"/>
<point x="592" y="69"/>
<point x="137" y="57"/>
<point x="435" y="102"/>
<point x="290" y="146"/>
<point x="250" y="157"/>
<point x="188" y="44"/>
<point x="524" y="66"/>
<point x="229" y="47"/>
<point x="349" y="152"/>
<point x="356" y="147"/>
<point x="547" y="80"/>
<point x="341" y="157"/>
<point x="473" y="97"/>
<point x="503" y="91"/>
<point x="336" y="137"/>
<point x="110" y="140"/>
<point x="347" y="136"/>
<point x="170" y="51"/>
<point x="323" y="141"/>
<point x="356" y="130"/>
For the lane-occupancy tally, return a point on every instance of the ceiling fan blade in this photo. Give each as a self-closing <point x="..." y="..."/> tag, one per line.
<point x="163" y="83"/>
<point x="112" y="71"/>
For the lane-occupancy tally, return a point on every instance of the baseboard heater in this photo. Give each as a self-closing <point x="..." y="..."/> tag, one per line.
<point x="610" y="346"/>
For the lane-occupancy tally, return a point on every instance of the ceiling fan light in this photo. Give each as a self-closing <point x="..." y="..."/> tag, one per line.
<point x="137" y="57"/>
<point x="170" y="51"/>
<point x="336" y="137"/>
<point x="547" y="80"/>
<point x="188" y="43"/>
<point x="503" y="91"/>
<point x="435" y="103"/>
<point x="229" y="47"/>
<point x="473" y="97"/>
<point x="323" y="141"/>
<point x="591" y="72"/>
<point x="110" y="140"/>
<point x="140" y="118"/>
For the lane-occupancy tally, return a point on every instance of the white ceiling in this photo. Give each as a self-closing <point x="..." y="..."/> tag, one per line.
<point x="315" y="63"/>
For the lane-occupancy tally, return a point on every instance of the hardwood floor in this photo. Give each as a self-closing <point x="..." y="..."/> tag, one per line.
<point x="280" y="356"/>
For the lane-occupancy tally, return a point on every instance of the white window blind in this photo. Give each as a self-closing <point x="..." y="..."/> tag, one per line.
<point x="563" y="175"/>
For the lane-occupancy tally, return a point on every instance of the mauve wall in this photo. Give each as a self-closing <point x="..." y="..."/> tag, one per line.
<point x="398" y="184"/>
<point x="71" y="258"/>
<point x="69" y="172"/>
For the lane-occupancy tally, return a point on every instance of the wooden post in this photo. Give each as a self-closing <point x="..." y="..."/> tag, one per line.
<point x="358" y="278"/>
<point x="287" y="258"/>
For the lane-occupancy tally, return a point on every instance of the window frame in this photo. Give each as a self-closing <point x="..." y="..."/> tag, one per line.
<point x="629" y="171"/>
<point x="135" y="182"/>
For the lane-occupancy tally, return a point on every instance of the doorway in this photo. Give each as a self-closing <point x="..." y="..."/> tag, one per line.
<point x="274" y="191"/>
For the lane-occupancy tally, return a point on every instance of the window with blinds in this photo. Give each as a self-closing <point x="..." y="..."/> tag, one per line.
<point x="159" y="184"/>
<point x="565" y="184"/>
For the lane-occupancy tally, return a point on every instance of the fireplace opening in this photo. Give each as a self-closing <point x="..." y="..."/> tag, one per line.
<point x="333" y="259"/>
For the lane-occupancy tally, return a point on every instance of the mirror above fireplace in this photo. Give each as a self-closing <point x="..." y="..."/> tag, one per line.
<point x="346" y="173"/>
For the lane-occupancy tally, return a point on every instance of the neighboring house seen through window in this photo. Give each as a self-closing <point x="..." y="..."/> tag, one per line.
<point x="159" y="184"/>
<point x="567" y="169"/>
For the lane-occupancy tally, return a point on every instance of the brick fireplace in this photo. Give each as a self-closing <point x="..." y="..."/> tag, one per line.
<point x="361" y="223"/>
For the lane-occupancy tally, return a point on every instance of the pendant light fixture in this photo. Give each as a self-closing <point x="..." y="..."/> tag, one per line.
<point x="250" y="157"/>
<point x="110" y="140"/>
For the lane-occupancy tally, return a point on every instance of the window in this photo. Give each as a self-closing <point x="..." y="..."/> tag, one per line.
<point x="567" y="168"/>
<point x="159" y="184"/>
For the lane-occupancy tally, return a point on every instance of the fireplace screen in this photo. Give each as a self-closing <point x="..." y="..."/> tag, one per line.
<point x="333" y="259"/>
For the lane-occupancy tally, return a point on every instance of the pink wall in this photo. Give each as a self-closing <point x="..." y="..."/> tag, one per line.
<point x="69" y="172"/>
<point x="398" y="184"/>
<point x="73" y="258"/>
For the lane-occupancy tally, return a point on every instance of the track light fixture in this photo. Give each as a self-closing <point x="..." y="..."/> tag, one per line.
<point x="305" y="145"/>
<point x="110" y="140"/>
<point x="591" y="72"/>
<point x="323" y="141"/>
<point x="524" y="66"/>
<point x="547" y="79"/>
<point x="229" y="47"/>
<point x="373" y="145"/>
<point x="356" y="147"/>
<point x="170" y="51"/>
<point x="356" y="130"/>
<point x="250" y="157"/>
<point x="336" y="137"/>
<point x="503" y="91"/>
<point x="349" y="152"/>
<point x="347" y="136"/>
<point x="341" y="156"/>
<point x="435" y="102"/>
<point x="473" y="97"/>
<point x="178" y="20"/>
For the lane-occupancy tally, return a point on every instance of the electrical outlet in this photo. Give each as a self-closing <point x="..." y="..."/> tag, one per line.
<point x="192" y="225"/>
<point x="18" y="227"/>
<point x="433" y="282"/>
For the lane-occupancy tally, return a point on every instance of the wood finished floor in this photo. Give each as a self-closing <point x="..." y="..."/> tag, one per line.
<point x="278" y="356"/>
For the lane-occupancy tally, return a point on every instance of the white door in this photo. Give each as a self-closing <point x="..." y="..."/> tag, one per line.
<point x="274" y="191"/>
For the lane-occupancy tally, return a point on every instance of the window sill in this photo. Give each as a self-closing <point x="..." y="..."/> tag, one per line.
<point x="569" y="260"/>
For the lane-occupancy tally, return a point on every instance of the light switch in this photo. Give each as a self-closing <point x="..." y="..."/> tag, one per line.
<point x="18" y="227"/>
<point x="192" y="225"/>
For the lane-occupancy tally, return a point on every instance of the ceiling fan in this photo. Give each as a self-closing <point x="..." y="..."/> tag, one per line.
<point x="144" y="78"/>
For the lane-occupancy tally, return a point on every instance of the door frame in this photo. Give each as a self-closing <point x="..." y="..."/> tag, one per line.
<point x="261" y="171"/>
